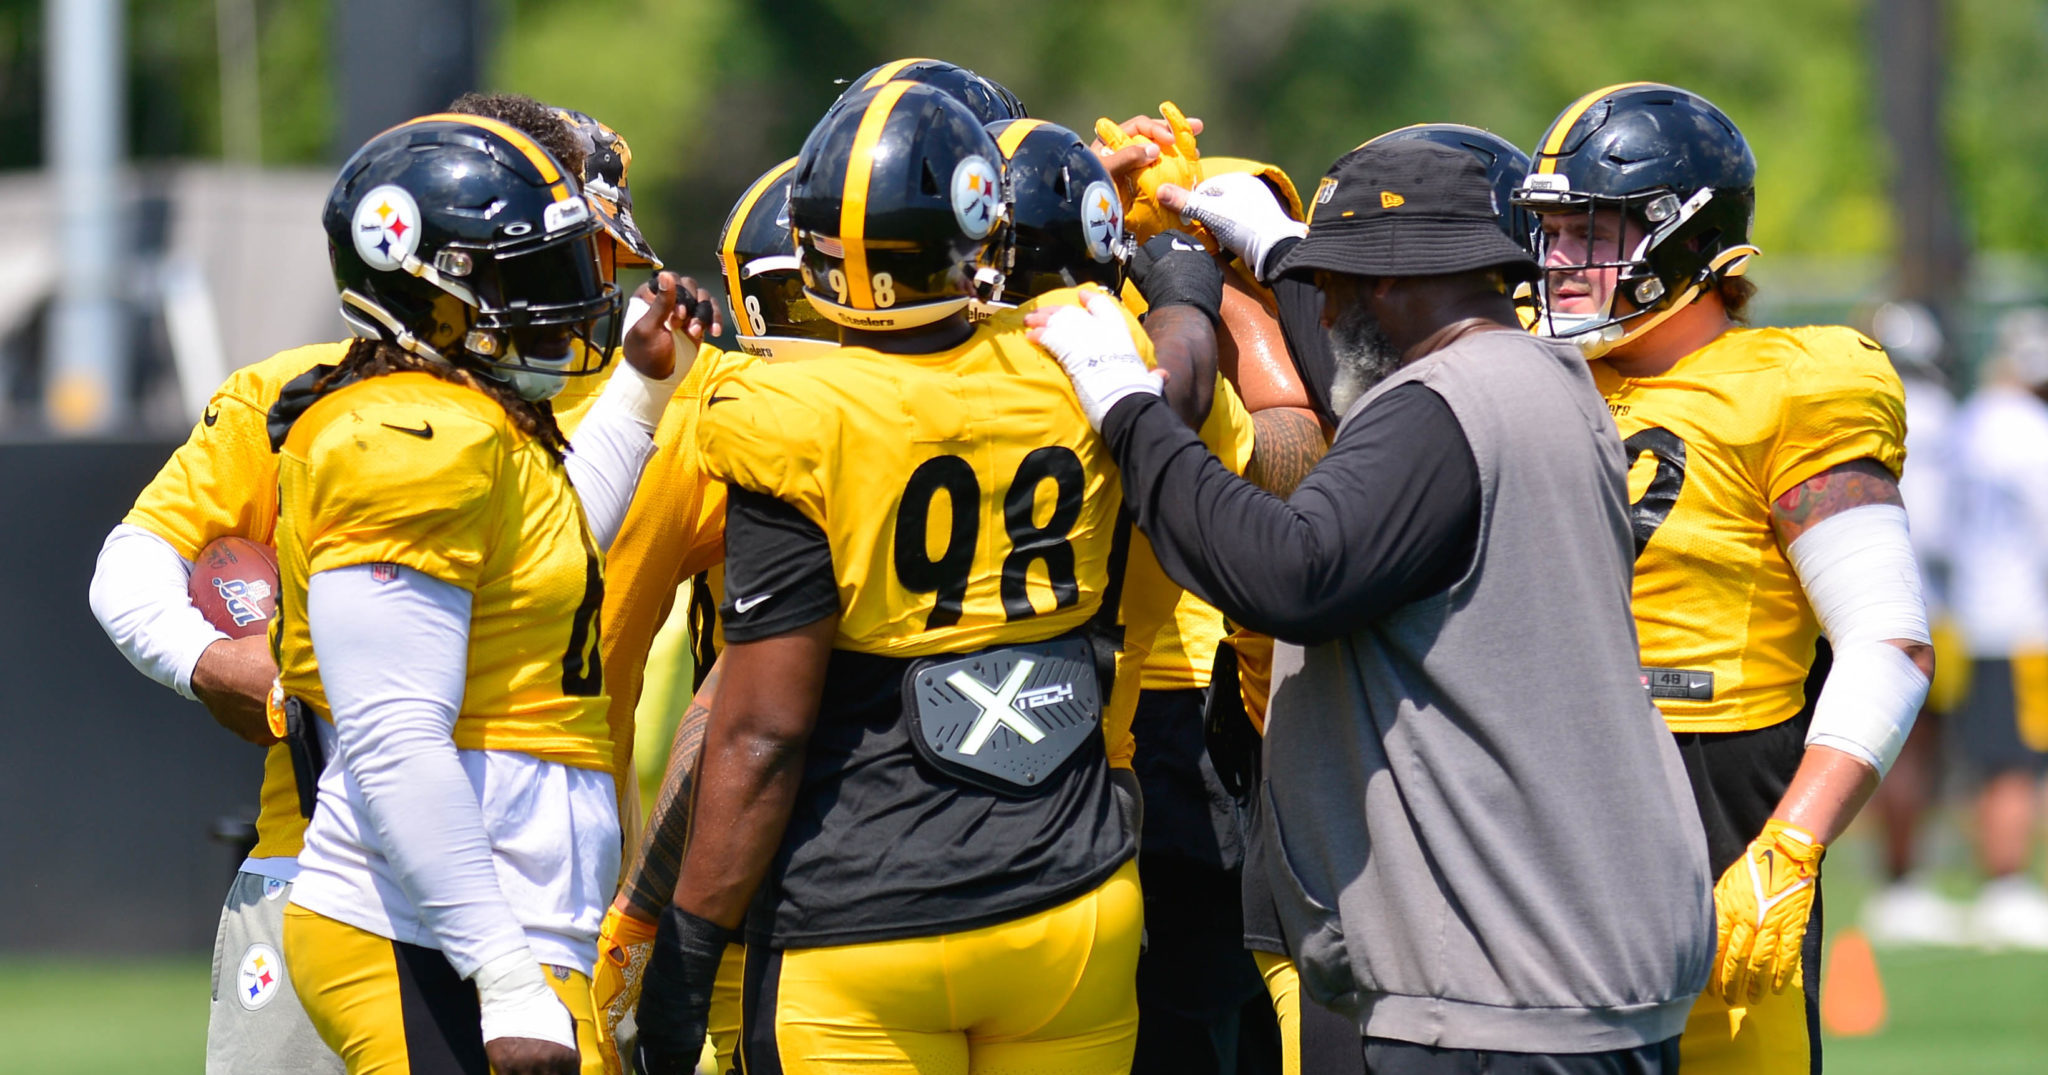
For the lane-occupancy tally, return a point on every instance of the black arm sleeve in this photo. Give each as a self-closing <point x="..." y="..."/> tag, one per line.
<point x="1389" y="516"/>
<point x="778" y="568"/>
<point x="1300" y="305"/>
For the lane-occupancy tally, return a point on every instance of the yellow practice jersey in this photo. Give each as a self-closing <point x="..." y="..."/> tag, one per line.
<point x="1726" y="632"/>
<point x="412" y="470"/>
<point x="1185" y="648"/>
<point x="982" y="450"/>
<point x="674" y="529"/>
<point x="223" y="481"/>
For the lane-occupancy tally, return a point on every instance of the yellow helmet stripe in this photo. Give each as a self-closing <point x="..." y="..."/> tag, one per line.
<point x="1546" y="161"/>
<point x="853" y="204"/>
<point x="728" y="251"/>
<point x="539" y="158"/>
<point x="889" y="71"/>
<point x="1014" y="135"/>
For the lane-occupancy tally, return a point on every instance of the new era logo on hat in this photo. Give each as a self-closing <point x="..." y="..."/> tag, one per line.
<point x="1406" y="208"/>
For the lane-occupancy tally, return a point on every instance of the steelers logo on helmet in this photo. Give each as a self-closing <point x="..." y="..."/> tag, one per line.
<point x="1102" y="220"/>
<point x="387" y="227"/>
<point x="977" y="196"/>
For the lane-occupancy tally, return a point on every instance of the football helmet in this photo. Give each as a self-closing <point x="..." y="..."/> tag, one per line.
<point x="459" y="239"/>
<point x="757" y="253"/>
<point x="1505" y="168"/>
<point x="899" y="208"/>
<point x="1678" y="169"/>
<point x="985" y="97"/>
<point x="605" y="160"/>
<point x="1066" y="222"/>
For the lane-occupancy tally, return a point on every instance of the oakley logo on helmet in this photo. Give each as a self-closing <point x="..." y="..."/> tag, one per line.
<point x="976" y="197"/>
<point x="1102" y="219"/>
<point x="387" y="227"/>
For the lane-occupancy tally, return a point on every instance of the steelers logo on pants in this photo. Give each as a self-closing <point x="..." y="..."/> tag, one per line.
<point x="261" y="976"/>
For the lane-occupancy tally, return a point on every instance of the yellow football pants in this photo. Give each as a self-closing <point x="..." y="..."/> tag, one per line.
<point x="375" y="1016"/>
<point x="1054" y="991"/>
<point x="1770" y="1040"/>
<point x="1283" y="984"/>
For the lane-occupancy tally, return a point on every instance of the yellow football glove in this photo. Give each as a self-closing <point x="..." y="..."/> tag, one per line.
<point x="623" y="945"/>
<point x="1762" y="905"/>
<point x="1176" y="164"/>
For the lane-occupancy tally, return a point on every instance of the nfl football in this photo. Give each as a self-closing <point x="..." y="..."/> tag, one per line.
<point x="234" y="585"/>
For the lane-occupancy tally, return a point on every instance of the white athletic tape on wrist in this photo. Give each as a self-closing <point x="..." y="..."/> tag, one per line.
<point x="517" y="1002"/>
<point x="1859" y="574"/>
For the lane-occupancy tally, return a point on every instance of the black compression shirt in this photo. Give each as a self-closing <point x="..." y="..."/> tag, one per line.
<point x="1389" y="516"/>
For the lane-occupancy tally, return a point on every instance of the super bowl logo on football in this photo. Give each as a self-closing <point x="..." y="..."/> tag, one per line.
<point x="241" y="596"/>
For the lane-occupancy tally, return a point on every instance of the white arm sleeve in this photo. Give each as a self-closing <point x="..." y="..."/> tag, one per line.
<point x="1860" y="575"/>
<point x="138" y="594"/>
<point x="394" y="658"/>
<point x="616" y="439"/>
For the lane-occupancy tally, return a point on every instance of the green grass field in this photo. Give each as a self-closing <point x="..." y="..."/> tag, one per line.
<point x="1951" y="1010"/>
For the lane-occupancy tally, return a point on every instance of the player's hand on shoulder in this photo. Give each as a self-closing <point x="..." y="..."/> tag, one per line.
<point x="1093" y="344"/>
<point x="232" y="679"/>
<point x="676" y="306"/>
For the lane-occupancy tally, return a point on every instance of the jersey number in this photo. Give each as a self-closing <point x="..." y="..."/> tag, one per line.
<point x="1649" y="512"/>
<point x="582" y="671"/>
<point x="948" y="574"/>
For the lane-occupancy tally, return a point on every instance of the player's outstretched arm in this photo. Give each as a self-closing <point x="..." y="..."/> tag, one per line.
<point x="752" y="763"/>
<point x="1845" y="533"/>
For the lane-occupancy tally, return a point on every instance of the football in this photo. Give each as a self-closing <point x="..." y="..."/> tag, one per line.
<point x="234" y="585"/>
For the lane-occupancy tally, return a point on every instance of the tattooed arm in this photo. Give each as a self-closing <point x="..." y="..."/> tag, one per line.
<point x="651" y="878"/>
<point x="1286" y="444"/>
<point x="1831" y="786"/>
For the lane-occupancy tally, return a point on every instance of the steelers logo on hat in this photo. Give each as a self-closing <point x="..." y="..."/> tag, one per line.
<point x="1102" y="220"/>
<point x="387" y="227"/>
<point x="976" y="198"/>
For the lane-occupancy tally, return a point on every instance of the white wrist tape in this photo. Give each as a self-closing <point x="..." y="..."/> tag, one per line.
<point x="517" y="1003"/>
<point x="1859" y="574"/>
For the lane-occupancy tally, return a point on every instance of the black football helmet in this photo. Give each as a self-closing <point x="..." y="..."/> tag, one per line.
<point x="606" y="157"/>
<point x="985" y="97"/>
<point x="899" y="206"/>
<point x="757" y="253"/>
<point x="1680" y="171"/>
<point x="1505" y="167"/>
<point x="459" y="239"/>
<point x="1066" y="221"/>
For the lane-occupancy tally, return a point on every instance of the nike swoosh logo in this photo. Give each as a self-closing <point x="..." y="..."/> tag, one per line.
<point x="212" y="415"/>
<point x="424" y="432"/>
<point x="719" y="399"/>
<point x="745" y="603"/>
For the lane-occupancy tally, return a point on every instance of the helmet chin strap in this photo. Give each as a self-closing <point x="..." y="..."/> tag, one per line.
<point x="366" y="317"/>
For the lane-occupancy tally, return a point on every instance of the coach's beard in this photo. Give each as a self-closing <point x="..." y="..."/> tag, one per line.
<point x="1364" y="356"/>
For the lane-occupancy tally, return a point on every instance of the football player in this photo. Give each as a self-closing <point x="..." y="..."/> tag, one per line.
<point x="440" y="555"/>
<point x="675" y="531"/>
<point x="223" y="481"/>
<point x="1767" y="513"/>
<point x="907" y="790"/>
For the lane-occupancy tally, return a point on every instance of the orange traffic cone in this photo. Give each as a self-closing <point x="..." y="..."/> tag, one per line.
<point x="1851" y="993"/>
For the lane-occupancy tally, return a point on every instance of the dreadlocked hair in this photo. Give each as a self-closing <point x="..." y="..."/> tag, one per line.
<point x="375" y="358"/>
<point x="531" y="118"/>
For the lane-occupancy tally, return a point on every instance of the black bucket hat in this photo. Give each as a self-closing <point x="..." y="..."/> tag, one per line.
<point x="1406" y="208"/>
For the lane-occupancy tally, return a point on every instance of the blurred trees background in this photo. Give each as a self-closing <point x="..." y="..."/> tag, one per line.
<point x="711" y="92"/>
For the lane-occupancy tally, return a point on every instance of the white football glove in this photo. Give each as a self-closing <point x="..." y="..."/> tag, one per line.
<point x="1239" y="209"/>
<point x="1094" y="346"/>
